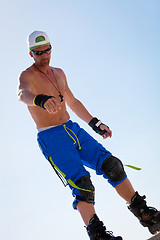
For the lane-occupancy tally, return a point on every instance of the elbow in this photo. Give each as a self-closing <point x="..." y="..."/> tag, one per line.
<point x="20" y="96"/>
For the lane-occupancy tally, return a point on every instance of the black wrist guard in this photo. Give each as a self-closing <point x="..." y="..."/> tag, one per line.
<point x="40" y="100"/>
<point x="95" y="125"/>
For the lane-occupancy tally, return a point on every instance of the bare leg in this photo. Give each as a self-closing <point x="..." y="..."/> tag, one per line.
<point x="125" y="190"/>
<point x="86" y="210"/>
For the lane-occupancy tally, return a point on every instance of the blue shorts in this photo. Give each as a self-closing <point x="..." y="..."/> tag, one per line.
<point x="69" y="148"/>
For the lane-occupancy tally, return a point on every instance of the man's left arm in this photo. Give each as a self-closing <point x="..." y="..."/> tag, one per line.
<point x="79" y="109"/>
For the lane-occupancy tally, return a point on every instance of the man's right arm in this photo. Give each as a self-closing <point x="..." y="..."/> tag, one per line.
<point x="49" y="103"/>
<point x="24" y="93"/>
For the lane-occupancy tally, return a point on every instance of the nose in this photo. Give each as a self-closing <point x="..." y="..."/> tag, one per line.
<point x="44" y="55"/>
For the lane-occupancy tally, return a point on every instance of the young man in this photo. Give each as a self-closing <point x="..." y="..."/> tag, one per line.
<point x="68" y="147"/>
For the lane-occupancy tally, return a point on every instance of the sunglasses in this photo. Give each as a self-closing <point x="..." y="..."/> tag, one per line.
<point x="48" y="50"/>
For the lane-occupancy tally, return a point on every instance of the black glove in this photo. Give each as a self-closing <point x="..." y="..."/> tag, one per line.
<point x="95" y="125"/>
<point x="40" y="100"/>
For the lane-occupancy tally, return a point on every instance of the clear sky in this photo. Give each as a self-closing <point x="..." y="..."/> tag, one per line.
<point x="110" y="52"/>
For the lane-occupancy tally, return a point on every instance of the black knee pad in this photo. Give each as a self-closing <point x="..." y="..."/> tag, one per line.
<point x="113" y="168"/>
<point x="87" y="190"/>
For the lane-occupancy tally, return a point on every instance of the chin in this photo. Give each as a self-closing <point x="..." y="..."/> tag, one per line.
<point x="44" y="63"/>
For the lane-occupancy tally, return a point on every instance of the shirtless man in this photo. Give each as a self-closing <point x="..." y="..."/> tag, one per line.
<point x="68" y="147"/>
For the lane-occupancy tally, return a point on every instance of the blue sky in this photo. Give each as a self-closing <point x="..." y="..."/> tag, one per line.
<point x="110" y="52"/>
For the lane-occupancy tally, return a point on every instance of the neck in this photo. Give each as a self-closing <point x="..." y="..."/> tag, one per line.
<point x="45" y="69"/>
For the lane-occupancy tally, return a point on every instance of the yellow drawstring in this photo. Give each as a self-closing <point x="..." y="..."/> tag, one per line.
<point x="71" y="136"/>
<point x="133" y="167"/>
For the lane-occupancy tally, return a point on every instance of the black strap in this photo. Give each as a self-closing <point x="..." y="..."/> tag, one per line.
<point x="40" y="100"/>
<point x="95" y="125"/>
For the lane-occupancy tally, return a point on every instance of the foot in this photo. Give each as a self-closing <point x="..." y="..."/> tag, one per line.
<point x="97" y="231"/>
<point x="151" y="219"/>
<point x="148" y="216"/>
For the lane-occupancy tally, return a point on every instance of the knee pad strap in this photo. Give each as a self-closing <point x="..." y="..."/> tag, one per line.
<point x="88" y="195"/>
<point x="113" y="168"/>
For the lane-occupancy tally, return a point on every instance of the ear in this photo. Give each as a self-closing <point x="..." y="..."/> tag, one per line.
<point x="31" y="54"/>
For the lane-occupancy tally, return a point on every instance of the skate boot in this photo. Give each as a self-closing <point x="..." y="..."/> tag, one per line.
<point x="97" y="231"/>
<point x="148" y="216"/>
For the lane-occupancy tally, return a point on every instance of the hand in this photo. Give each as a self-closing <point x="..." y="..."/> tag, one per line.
<point x="52" y="105"/>
<point x="108" y="132"/>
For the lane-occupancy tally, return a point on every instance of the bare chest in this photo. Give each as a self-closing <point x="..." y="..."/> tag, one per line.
<point x="51" y="84"/>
